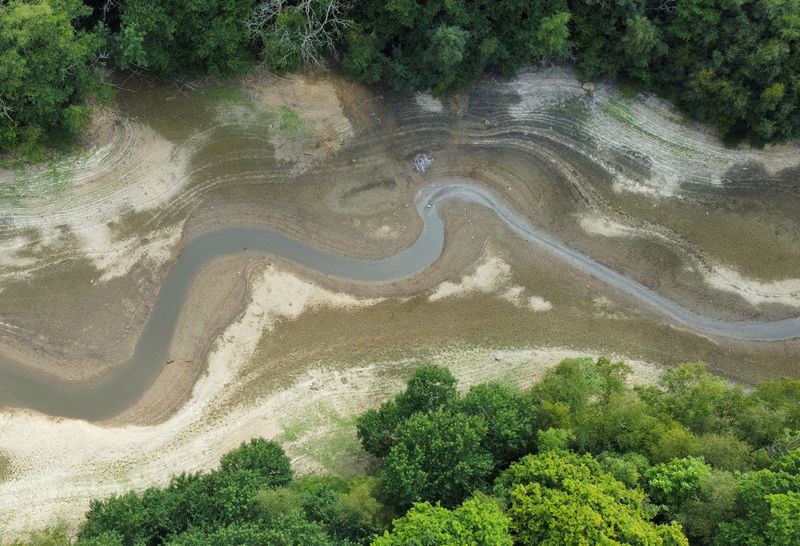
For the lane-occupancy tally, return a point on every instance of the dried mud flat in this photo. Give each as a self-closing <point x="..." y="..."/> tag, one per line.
<point x="262" y="344"/>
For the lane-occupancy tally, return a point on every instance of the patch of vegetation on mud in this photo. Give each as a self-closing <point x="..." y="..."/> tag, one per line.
<point x="5" y="466"/>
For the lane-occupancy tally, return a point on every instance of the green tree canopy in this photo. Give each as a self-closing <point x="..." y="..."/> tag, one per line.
<point x="429" y="389"/>
<point x="443" y="45"/>
<point x="510" y="418"/>
<point x="563" y="498"/>
<point x="437" y="457"/>
<point x="478" y="520"/>
<point x="178" y="38"/>
<point x="46" y="71"/>
<point x="264" y="458"/>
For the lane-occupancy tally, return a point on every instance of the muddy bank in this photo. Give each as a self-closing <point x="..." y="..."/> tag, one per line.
<point x="74" y="307"/>
<point x="58" y="465"/>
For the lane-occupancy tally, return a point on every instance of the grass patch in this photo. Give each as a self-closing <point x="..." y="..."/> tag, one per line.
<point x="226" y="93"/>
<point x="617" y="111"/>
<point x="52" y="181"/>
<point x="327" y="439"/>
<point x="5" y="466"/>
<point x="290" y="121"/>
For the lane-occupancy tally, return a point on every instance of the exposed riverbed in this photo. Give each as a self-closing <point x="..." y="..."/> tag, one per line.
<point x="280" y="225"/>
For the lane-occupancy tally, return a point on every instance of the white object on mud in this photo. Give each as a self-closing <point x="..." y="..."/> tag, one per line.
<point x="422" y="162"/>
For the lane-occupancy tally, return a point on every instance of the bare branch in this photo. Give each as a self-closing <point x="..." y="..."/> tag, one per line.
<point x="324" y="23"/>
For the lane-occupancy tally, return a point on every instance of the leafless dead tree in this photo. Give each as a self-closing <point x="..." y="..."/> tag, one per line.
<point x="663" y="6"/>
<point x="6" y="110"/>
<point x="321" y="25"/>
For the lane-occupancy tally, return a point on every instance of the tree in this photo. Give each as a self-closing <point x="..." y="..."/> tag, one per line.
<point x="437" y="457"/>
<point x="713" y="502"/>
<point x="562" y="498"/>
<point x="783" y="528"/>
<point x="46" y="72"/>
<point x="429" y="389"/>
<point x="478" y="520"/>
<point x="576" y="382"/>
<point x="298" y="32"/>
<point x="672" y="484"/>
<point x="766" y="506"/>
<point x="510" y="418"/>
<point x="264" y="458"/>
<point x="288" y="530"/>
<point x="178" y="38"/>
<point x="445" y="45"/>
<point x="699" y="400"/>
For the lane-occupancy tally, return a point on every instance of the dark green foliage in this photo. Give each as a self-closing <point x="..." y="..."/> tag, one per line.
<point x="193" y="501"/>
<point x="294" y="33"/>
<point x="437" y="457"/>
<point x="767" y="507"/>
<point x="429" y="389"/>
<point x="712" y="501"/>
<point x="46" y="72"/>
<point x="177" y="38"/>
<point x="266" y="459"/>
<point x="735" y="65"/>
<point x="732" y="64"/>
<point x="288" y="530"/>
<point x="509" y="416"/>
<point x="629" y="468"/>
<point x="443" y="45"/>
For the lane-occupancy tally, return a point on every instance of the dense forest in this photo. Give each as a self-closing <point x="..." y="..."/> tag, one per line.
<point x="579" y="458"/>
<point x="734" y="64"/>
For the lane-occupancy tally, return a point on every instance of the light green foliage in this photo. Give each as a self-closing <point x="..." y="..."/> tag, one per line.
<point x="554" y="439"/>
<point x="783" y="528"/>
<point x="773" y="413"/>
<point x="561" y="498"/>
<point x="290" y="121"/>
<point x="437" y="457"/>
<point x="578" y="381"/>
<point x="478" y="520"/>
<point x="56" y="535"/>
<point x="552" y="36"/>
<point x="45" y="72"/>
<point x="697" y="399"/>
<point x="673" y="483"/>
